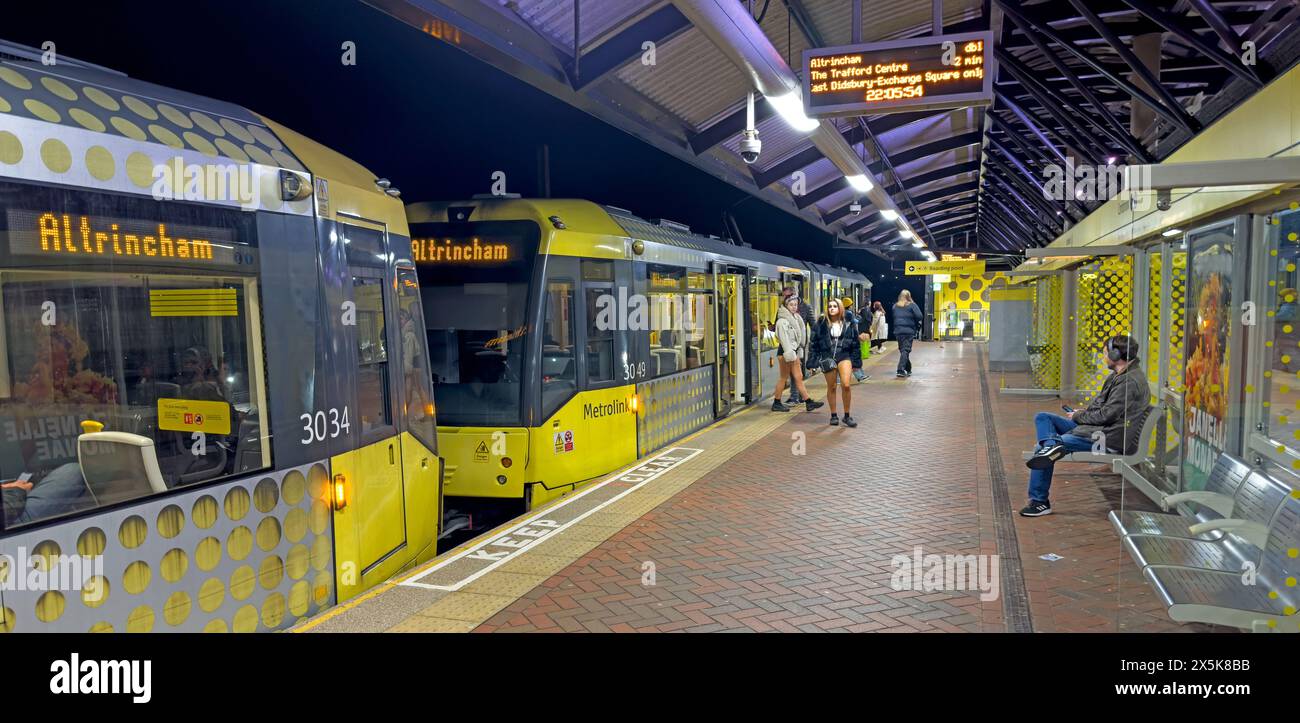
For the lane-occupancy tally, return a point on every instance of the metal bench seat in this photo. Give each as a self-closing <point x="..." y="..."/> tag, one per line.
<point x="1228" y="554"/>
<point x="1211" y="596"/>
<point x="1243" y="536"/>
<point x="1216" y="501"/>
<point x="1266" y="601"/>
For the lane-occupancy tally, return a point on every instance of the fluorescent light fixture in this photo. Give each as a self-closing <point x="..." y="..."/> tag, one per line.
<point x="917" y="244"/>
<point x="929" y="255"/>
<point x="889" y="214"/>
<point x="790" y="108"/>
<point x="860" y="183"/>
<point x="1172" y="232"/>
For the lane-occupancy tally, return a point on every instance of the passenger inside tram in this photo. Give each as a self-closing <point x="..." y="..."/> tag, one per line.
<point x="110" y="357"/>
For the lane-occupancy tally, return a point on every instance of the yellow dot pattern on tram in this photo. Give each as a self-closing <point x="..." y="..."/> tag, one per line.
<point x="33" y="93"/>
<point x="217" y="560"/>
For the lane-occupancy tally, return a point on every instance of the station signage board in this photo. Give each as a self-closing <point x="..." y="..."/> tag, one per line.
<point x="927" y="268"/>
<point x="941" y="71"/>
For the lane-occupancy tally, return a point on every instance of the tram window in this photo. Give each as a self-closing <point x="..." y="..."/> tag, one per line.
<point x="372" y="354"/>
<point x="1281" y="389"/>
<point x="476" y="315"/>
<point x="697" y="323"/>
<point x="415" y="367"/>
<point x="170" y="358"/>
<point x="667" y="316"/>
<point x="559" y="375"/>
<point x="602" y="320"/>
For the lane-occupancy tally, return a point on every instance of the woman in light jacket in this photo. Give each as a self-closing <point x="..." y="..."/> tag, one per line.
<point x="879" y="326"/>
<point x="792" y="333"/>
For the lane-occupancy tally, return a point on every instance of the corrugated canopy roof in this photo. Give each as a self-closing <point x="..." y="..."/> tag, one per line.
<point x="968" y="179"/>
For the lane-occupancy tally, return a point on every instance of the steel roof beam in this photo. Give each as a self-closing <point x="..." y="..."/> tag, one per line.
<point x="901" y="157"/>
<point x="1080" y="138"/>
<point x="1167" y="106"/>
<point x="1175" y="25"/>
<point x="1174" y="112"/>
<point x="918" y="180"/>
<point x="658" y="27"/>
<point x="1030" y="123"/>
<point x="1111" y="126"/>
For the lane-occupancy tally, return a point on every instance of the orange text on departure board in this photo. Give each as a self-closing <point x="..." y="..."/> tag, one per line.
<point x="73" y="234"/>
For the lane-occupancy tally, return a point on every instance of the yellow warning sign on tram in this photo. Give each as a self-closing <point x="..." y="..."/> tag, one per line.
<point x="190" y="415"/>
<point x="925" y="268"/>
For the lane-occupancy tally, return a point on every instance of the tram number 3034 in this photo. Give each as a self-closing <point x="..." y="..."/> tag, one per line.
<point x="321" y="426"/>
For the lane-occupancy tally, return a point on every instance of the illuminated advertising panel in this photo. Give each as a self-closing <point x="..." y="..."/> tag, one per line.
<point x="942" y="71"/>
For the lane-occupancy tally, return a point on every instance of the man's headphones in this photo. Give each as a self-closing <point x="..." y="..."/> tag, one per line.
<point x="1121" y="348"/>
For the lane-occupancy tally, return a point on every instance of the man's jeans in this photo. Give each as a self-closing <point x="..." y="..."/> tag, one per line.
<point x="1053" y="428"/>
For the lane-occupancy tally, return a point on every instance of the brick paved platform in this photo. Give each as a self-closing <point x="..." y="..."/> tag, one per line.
<point x="782" y="523"/>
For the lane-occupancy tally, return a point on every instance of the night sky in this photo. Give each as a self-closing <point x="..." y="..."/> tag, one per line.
<point x="428" y="116"/>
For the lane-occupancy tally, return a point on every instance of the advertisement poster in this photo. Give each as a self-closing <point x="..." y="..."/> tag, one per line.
<point x="1208" y="323"/>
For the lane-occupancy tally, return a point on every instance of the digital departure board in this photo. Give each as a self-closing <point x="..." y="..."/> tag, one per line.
<point x="942" y="71"/>
<point x="87" y="239"/>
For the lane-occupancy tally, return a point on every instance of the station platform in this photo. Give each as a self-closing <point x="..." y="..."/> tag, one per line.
<point x="733" y="529"/>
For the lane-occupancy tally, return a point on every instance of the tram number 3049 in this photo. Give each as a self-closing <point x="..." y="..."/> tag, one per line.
<point x="633" y="371"/>
<point x="321" y="426"/>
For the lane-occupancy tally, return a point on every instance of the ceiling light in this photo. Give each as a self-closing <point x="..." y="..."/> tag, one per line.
<point x="889" y="214"/>
<point x="860" y="183"/>
<point x="790" y="108"/>
<point x="1172" y="232"/>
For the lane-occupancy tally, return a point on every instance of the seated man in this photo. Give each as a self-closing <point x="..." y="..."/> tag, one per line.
<point x="1116" y="412"/>
<point x="58" y="492"/>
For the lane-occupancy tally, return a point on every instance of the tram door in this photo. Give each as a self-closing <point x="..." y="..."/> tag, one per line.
<point x="732" y="285"/>
<point x="378" y="496"/>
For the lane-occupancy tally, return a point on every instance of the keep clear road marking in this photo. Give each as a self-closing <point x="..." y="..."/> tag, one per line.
<point x="524" y="535"/>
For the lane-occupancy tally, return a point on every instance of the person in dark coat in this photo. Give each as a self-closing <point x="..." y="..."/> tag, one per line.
<point x="835" y="344"/>
<point x="907" y="326"/>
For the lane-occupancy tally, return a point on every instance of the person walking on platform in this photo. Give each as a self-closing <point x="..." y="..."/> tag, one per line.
<point x="1117" y="412"/>
<point x="834" y="346"/>
<point x="907" y="325"/>
<point x="860" y="335"/>
<point x="806" y="314"/>
<point x="879" y="326"/>
<point x="792" y="334"/>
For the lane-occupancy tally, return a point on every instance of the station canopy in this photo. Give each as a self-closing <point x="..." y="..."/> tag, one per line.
<point x="1093" y="82"/>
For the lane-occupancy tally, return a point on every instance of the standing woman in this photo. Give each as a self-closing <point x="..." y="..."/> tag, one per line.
<point x="835" y="344"/>
<point x="879" y="326"/>
<point x="907" y="325"/>
<point x="792" y="333"/>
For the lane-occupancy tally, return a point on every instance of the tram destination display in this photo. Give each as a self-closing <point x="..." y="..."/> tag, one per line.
<point x="82" y="239"/>
<point x="943" y="71"/>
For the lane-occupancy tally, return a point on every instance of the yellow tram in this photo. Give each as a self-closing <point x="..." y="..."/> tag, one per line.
<point x="567" y="339"/>
<point x="211" y="381"/>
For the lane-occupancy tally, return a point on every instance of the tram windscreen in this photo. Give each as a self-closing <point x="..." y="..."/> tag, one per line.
<point x="474" y="283"/>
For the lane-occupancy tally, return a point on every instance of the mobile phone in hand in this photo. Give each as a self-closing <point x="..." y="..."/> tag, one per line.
<point x="1068" y="409"/>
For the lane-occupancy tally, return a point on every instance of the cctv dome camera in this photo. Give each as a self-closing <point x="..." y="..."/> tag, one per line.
<point x="750" y="147"/>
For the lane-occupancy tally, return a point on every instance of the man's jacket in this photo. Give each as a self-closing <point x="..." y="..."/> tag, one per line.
<point x="1118" y="410"/>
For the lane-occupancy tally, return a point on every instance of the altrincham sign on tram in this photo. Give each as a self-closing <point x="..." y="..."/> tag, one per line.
<point x="943" y="71"/>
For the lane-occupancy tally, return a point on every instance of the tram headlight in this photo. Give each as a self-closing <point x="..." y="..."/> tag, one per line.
<point x="340" y="492"/>
<point x="293" y="187"/>
<point x="506" y="462"/>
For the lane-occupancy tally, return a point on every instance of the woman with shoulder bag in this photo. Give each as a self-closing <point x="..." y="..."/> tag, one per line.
<point x="792" y="334"/>
<point x="834" y="347"/>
